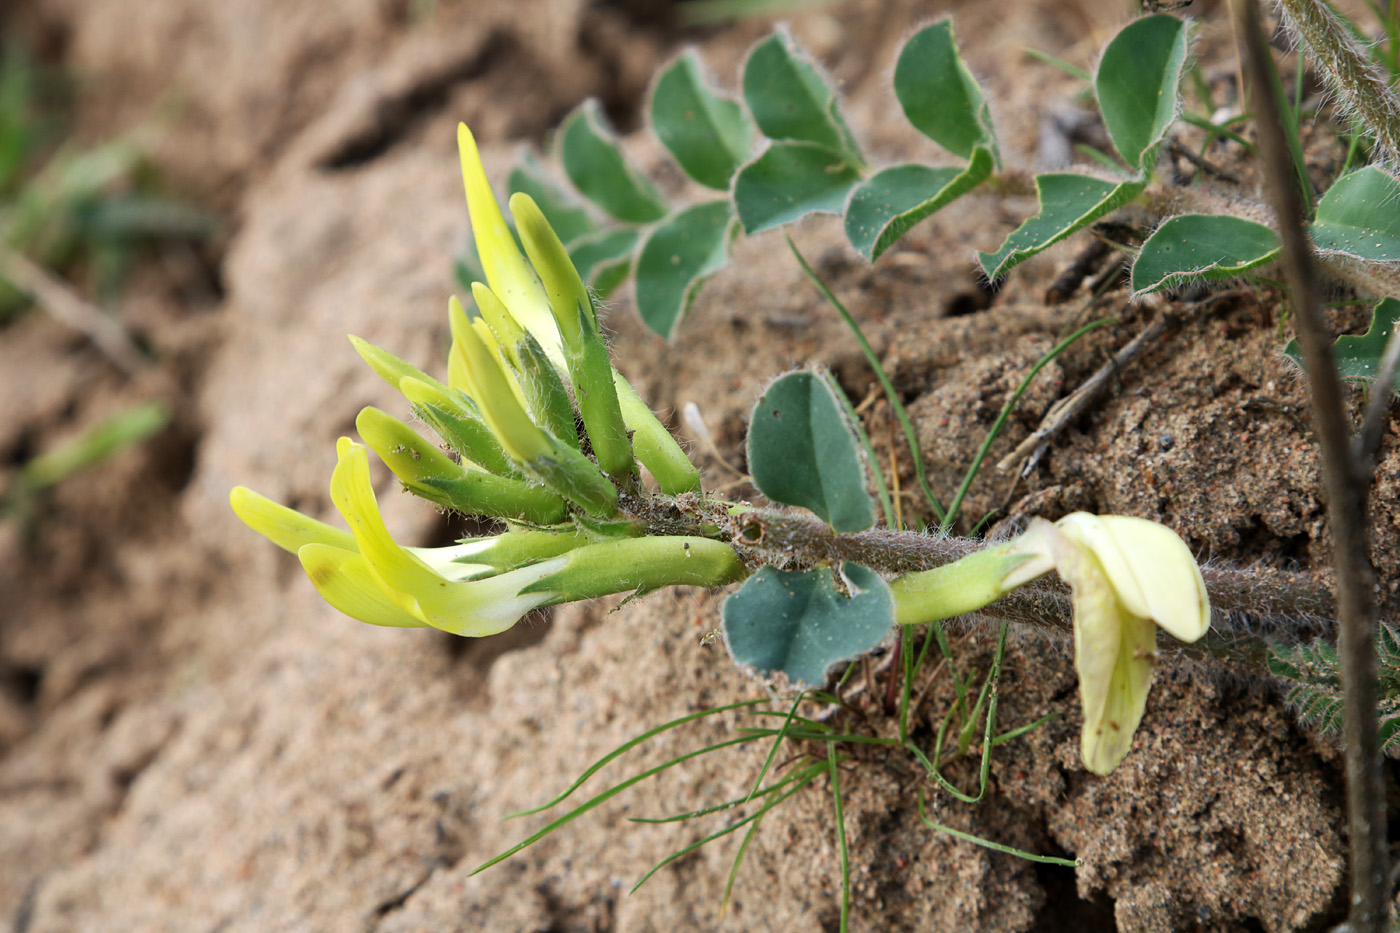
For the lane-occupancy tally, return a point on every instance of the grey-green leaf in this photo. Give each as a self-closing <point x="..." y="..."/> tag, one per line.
<point x="790" y="100"/>
<point x="604" y="257"/>
<point x="595" y="164"/>
<point x="1359" y="216"/>
<point x="1201" y="246"/>
<point x="801" y="624"/>
<point x="1068" y="202"/>
<point x="675" y="258"/>
<point x="1137" y="84"/>
<point x="565" y="213"/>
<point x="883" y="208"/>
<point x="802" y="452"/>
<point x="1359" y="357"/>
<point x="939" y="94"/>
<point x="790" y="180"/>
<point x="708" y="135"/>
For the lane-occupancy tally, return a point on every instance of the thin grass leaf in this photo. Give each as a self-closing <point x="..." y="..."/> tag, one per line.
<point x="832" y="760"/>
<point x="716" y="808"/>
<point x="1022" y="730"/>
<point x="628" y="746"/>
<point x="800" y="735"/>
<point x="1006" y="410"/>
<point x="1099" y="157"/>
<point x="994" y="846"/>
<point x="813" y="723"/>
<point x="1219" y="130"/>
<point x="773" y="751"/>
<point x="912" y="666"/>
<point x="810" y="774"/>
<point x="1072" y="70"/>
<point x="604" y="797"/>
<point x="989" y="688"/>
<point x="738" y="860"/>
<point x="895" y="404"/>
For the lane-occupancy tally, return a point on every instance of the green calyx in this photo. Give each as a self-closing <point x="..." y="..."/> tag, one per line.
<point x="953" y="589"/>
<point x="640" y="564"/>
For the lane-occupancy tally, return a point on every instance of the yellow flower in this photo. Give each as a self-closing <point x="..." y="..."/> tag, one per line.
<point x="367" y="575"/>
<point x="517" y="286"/>
<point x="507" y="271"/>
<point x="1128" y="577"/>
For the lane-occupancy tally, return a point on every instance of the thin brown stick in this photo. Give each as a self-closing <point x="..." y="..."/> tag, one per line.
<point x="62" y="304"/>
<point x="1346" y="486"/>
<point x="1072" y="406"/>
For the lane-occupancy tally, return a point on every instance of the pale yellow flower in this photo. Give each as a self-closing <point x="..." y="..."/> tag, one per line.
<point x="1128" y="576"/>
<point x="367" y="575"/>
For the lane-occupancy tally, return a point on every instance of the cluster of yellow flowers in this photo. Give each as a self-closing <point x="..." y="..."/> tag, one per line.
<point x="525" y="373"/>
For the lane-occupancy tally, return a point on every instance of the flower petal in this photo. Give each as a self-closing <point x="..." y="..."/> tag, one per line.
<point x="1034" y="545"/>
<point x="401" y="575"/>
<point x="500" y="407"/>
<point x="507" y="272"/>
<point x="487" y="606"/>
<point x="1152" y="569"/>
<point x="1114" y="654"/>
<point x="284" y="527"/>
<point x="344" y="580"/>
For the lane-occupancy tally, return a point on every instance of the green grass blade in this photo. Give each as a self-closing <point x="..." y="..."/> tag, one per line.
<point x="989" y="844"/>
<point x="813" y="723"/>
<point x="1071" y="70"/>
<point x="603" y="798"/>
<point x="738" y="860"/>
<point x="912" y="666"/>
<point x="1022" y="730"/>
<point x="628" y="746"/>
<point x="832" y="762"/>
<point x="1219" y="129"/>
<point x="716" y="808"/>
<point x="809" y="774"/>
<point x="1006" y="410"/>
<point x="773" y="751"/>
<point x="910" y="437"/>
<point x="800" y="735"/>
<point x="989" y="688"/>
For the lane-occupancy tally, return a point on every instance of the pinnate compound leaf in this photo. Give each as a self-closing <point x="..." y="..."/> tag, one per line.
<point x="595" y="164"/>
<point x="802" y="452"/>
<point x="1316" y="694"/>
<point x="565" y="213"/>
<point x="708" y="135"/>
<point x="883" y="208"/>
<point x="801" y="624"/>
<point x="1359" y="216"/>
<point x="1201" y="246"/>
<point x="790" y="100"/>
<point x="1137" y="84"/>
<point x="939" y="94"/>
<point x="676" y="257"/>
<point x="604" y="258"/>
<point x="1068" y="202"/>
<point x="790" y="180"/>
<point x="1359" y="357"/>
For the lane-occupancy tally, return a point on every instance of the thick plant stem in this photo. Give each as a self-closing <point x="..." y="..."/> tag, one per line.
<point x="1349" y="70"/>
<point x="1251" y="610"/>
<point x="1346" y="484"/>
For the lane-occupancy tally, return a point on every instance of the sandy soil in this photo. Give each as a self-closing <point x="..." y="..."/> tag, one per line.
<point x="190" y="739"/>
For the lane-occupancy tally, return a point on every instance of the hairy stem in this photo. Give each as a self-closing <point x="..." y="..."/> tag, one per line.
<point x="1251" y="609"/>
<point x="1357" y="79"/>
